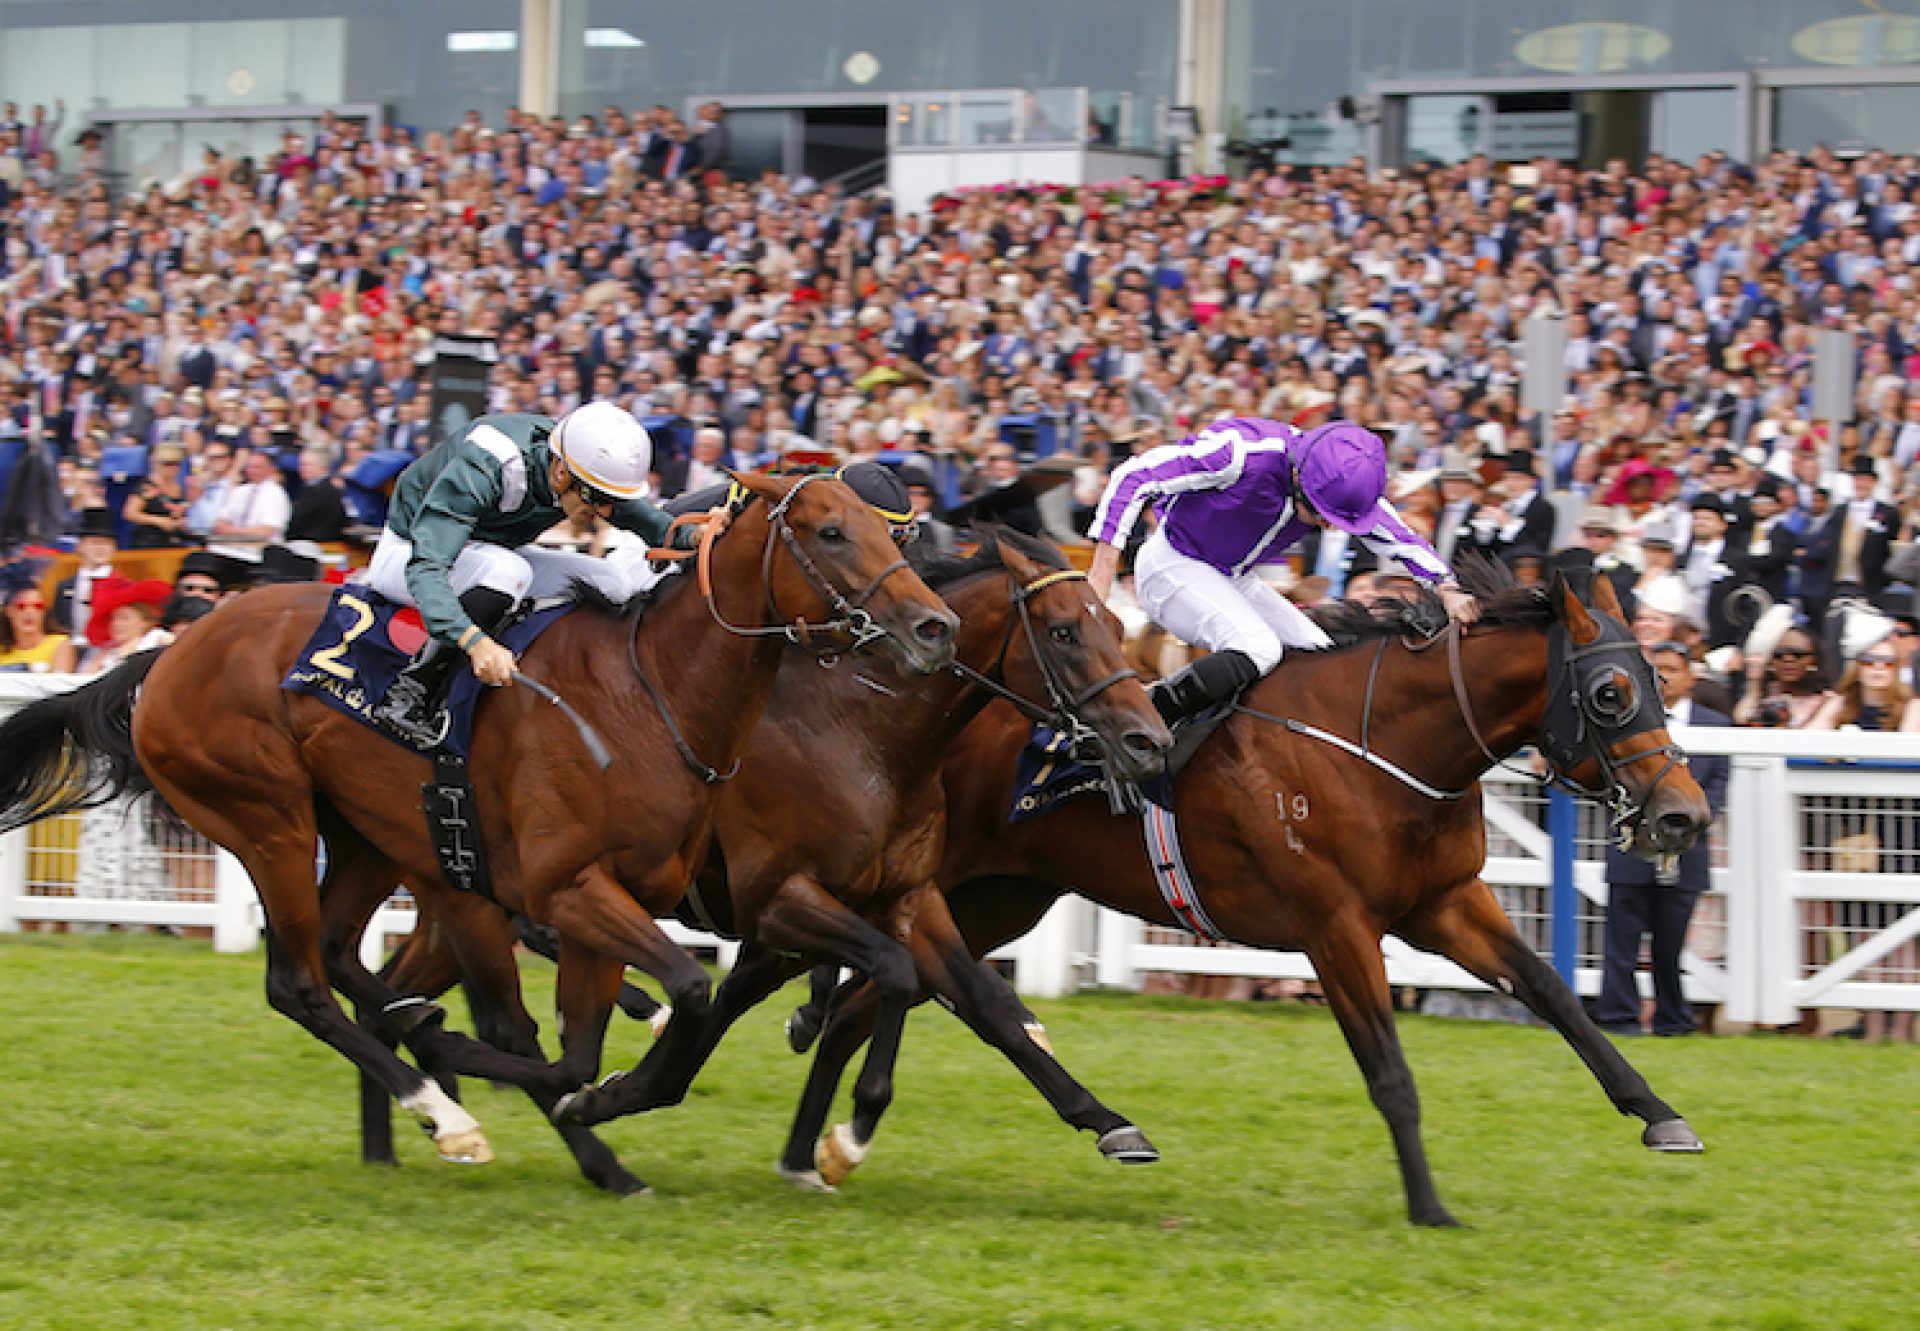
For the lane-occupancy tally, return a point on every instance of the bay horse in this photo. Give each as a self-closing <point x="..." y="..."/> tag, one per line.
<point x="593" y="848"/>
<point x="852" y="880"/>
<point x="1341" y="803"/>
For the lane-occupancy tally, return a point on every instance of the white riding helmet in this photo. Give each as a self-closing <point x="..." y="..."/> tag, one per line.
<point x="606" y="448"/>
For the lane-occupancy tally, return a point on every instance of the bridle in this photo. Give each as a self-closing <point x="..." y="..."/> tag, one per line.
<point x="853" y="615"/>
<point x="1062" y="712"/>
<point x="1600" y="713"/>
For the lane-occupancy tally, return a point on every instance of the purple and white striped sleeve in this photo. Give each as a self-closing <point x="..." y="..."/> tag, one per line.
<point x="1211" y="460"/>
<point x="1393" y="539"/>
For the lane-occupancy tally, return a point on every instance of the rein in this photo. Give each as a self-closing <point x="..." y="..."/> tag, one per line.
<point x="1064" y="715"/>
<point x="854" y="619"/>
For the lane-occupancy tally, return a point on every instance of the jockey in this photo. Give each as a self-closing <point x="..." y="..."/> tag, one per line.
<point x="457" y="543"/>
<point x="1240" y="494"/>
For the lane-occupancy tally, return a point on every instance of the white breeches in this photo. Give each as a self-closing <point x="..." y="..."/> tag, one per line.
<point x="528" y="572"/>
<point x="1209" y="609"/>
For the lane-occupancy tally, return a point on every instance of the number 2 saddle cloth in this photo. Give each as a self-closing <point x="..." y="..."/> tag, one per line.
<point x="363" y="643"/>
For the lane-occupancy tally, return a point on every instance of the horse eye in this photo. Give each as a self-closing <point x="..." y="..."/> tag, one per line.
<point x="1062" y="633"/>
<point x="832" y="534"/>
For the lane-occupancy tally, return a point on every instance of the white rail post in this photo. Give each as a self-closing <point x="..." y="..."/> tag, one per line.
<point x="1043" y="960"/>
<point x="233" y="927"/>
<point x="1114" y="938"/>
<point x="1776" y="870"/>
<point x="13" y="877"/>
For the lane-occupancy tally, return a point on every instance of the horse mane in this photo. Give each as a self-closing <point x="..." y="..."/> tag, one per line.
<point x="1503" y="600"/>
<point x="939" y="571"/>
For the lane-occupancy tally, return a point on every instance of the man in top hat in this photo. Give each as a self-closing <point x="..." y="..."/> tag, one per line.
<point x="73" y="597"/>
<point x="1453" y="532"/>
<point x="208" y="576"/>
<point x="281" y="563"/>
<point x="1761" y="548"/>
<point x="1864" y="529"/>
<point x="1523" y="519"/>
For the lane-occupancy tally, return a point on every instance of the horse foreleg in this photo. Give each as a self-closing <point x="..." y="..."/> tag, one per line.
<point x="805" y="1022"/>
<point x="982" y="999"/>
<point x="633" y="1000"/>
<point x="1354" y="978"/>
<point x="598" y="918"/>
<point x="1469" y="928"/>
<point x="849" y="1021"/>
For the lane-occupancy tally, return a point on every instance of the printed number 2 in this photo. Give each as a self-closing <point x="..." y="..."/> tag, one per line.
<point x="330" y="659"/>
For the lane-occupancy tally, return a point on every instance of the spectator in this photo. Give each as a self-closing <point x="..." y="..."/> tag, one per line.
<point x="1785" y="685"/>
<point x="126" y="621"/>
<point x="320" y="513"/>
<point x="1648" y="898"/>
<point x="25" y="643"/>
<point x="258" y="509"/>
<point x="157" y="513"/>
<point x="214" y="478"/>
<point x="73" y="597"/>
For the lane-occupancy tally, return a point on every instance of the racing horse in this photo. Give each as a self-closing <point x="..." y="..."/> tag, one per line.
<point x="593" y="844"/>
<point x="818" y="858"/>
<point x="1339" y="803"/>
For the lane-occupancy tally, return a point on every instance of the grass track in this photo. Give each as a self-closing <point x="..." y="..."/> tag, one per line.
<point x="173" y="1154"/>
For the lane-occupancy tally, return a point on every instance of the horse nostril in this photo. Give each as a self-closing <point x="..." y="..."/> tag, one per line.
<point x="933" y="630"/>
<point x="1675" y="825"/>
<point x="1143" y="743"/>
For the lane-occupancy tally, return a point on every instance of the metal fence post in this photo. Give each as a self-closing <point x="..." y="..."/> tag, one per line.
<point x="1563" y="819"/>
<point x="233" y="926"/>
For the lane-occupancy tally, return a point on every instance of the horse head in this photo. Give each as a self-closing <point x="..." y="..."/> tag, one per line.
<point x="1066" y="650"/>
<point x="830" y="567"/>
<point x="1605" y="728"/>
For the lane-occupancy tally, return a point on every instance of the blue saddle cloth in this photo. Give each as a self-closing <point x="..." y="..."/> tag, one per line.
<point x="352" y="660"/>
<point x="1047" y="775"/>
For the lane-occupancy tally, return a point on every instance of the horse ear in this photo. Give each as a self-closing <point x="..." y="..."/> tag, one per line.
<point x="1008" y="552"/>
<point x="1572" y="612"/>
<point x="767" y="487"/>
<point x="1606" y="597"/>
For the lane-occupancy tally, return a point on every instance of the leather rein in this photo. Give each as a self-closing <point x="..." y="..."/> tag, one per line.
<point x="1063" y="711"/>
<point x="853" y="616"/>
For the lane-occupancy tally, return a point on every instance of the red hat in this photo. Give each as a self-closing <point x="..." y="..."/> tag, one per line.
<point x="109" y="594"/>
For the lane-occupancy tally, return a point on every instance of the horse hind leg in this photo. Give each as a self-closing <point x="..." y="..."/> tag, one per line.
<point x="1354" y="977"/>
<point x="1468" y="927"/>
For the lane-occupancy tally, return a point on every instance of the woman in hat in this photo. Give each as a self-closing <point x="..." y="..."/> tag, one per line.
<point x="1238" y="495"/>
<point x="125" y="622"/>
<point x="25" y="643"/>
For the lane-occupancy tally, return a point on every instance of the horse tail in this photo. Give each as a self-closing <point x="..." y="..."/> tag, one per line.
<point x="73" y="750"/>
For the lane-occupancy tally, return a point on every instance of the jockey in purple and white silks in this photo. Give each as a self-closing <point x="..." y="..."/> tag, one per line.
<point x="1240" y="494"/>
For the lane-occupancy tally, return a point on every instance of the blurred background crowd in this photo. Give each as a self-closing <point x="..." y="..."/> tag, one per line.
<point x="242" y="357"/>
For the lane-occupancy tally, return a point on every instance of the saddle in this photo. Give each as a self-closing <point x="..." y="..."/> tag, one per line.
<point x="1047" y="774"/>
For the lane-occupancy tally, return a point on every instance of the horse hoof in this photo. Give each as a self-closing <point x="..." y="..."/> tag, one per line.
<point x="1673" y="1137"/>
<point x="661" y="1016"/>
<point x="570" y="1109"/>
<point x="801" y="1032"/>
<point x="1439" y="1218"/>
<point x="1038" y="1034"/>
<point x="464" y="1148"/>
<point x="838" y="1155"/>
<point x="1128" y="1145"/>
<point x="806" y="1180"/>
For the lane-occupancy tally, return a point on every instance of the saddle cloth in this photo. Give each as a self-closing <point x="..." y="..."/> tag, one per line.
<point x="1047" y="775"/>
<point x="365" y="640"/>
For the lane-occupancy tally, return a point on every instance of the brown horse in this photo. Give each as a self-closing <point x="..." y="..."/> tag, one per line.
<point x="594" y="853"/>
<point x="855" y="876"/>
<point x="1296" y="842"/>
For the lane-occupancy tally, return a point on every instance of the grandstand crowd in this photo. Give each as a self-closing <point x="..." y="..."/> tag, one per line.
<point x="239" y="355"/>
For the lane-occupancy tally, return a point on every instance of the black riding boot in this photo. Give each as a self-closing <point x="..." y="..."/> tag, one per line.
<point x="415" y="705"/>
<point x="1206" y="683"/>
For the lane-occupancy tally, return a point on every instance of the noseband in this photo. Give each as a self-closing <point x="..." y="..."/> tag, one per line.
<point x="853" y="619"/>
<point x="1063" y="711"/>
<point x="853" y="616"/>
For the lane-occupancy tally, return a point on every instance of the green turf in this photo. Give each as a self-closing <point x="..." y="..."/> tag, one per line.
<point x="172" y="1154"/>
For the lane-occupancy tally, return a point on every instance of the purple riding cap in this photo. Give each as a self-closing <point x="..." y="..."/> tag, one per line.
<point x="1226" y="495"/>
